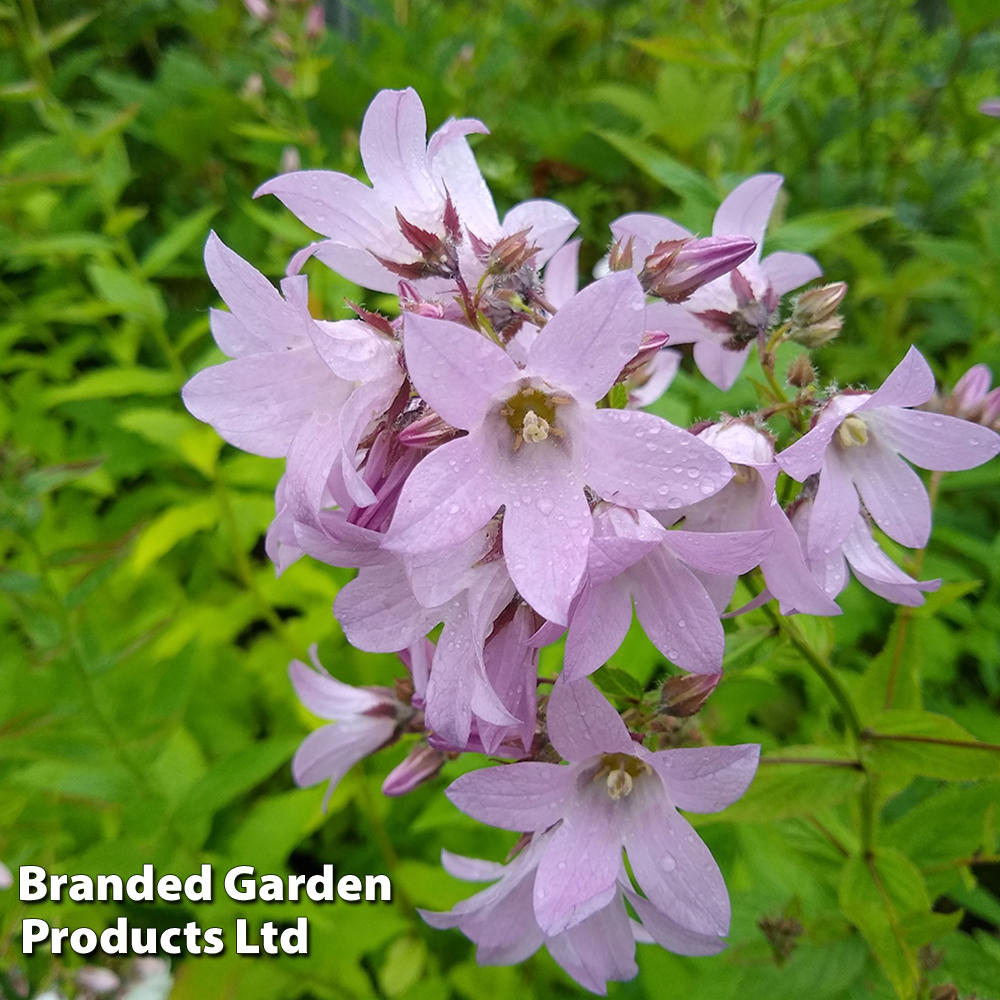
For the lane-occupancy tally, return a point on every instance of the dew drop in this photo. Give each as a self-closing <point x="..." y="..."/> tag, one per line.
<point x="454" y="509"/>
<point x="545" y="505"/>
<point x="681" y="623"/>
<point x="674" y="502"/>
<point x="708" y="487"/>
<point x="692" y="473"/>
<point x="668" y="864"/>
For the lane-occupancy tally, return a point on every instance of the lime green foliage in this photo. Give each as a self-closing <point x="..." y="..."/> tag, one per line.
<point x="145" y="713"/>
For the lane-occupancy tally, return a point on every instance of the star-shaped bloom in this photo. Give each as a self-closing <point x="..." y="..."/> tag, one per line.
<point x="614" y="794"/>
<point x="858" y="445"/>
<point x="723" y="317"/>
<point x="536" y="439"/>
<point x="413" y="183"/>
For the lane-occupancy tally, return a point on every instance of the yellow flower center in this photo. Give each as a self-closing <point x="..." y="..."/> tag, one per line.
<point x="531" y="415"/>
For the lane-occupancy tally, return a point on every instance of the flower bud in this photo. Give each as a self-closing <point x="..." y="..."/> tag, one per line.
<point x="427" y="432"/>
<point x="801" y="372"/>
<point x="258" y="9"/>
<point x="990" y="107"/>
<point x="683" y="697"/>
<point x="815" y="321"/>
<point x="678" y="268"/>
<point x="422" y="764"/>
<point x="620" y="256"/>
<point x="315" y="21"/>
<point x="6" y="879"/>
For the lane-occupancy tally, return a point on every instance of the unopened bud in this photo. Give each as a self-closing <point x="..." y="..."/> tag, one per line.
<point x="815" y="321"/>
<point x="253" y="87"/>
<point x="427" y="432"/>
<point x="6" y="879"/>
<point x="990" y="107"/>
<point x="652" y="342"/>
<point x="259" y="9"/>
<point x="801" y="372"/>
<point x="422" y="764"/>
<point x="683" y="697"/>
<point x="678" y="268"/>
<point x="290" y="160"/>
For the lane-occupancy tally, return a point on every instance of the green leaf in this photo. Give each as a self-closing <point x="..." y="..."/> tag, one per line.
<point x="662" y="167"/>
<point x="127" y="293"/>
<point x="45" y="480"/>
<point x="870" y="906"/>
<point x="617" y="683"/>
<point x="974" y="15"/>
<point x="176" y="240"/>
<point x="783" y="787"/>
<point x="111" y="383"/>
<point x="923" y="743"/>
<point x="813" y="230"/>
<point x="404" y="965"/>
<point x="171" y="527"/>
<point x="62" y="244"/>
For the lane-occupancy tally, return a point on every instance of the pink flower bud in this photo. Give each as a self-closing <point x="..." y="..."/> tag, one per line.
<point x="422" y="764"/>
<point x="678" y="268"/>
<point x="990" y="107"/>
<point x="259" y="9"/>
<point x="315" y="21"/>
<point x="682" y="697"/>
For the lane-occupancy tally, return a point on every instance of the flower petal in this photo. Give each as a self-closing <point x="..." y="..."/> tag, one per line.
<point x="747" y="208"/>
<point x="706" y="779"/>
<point x="721" y="367"/>
<point x="578" y="873"/>
<point x="582" y="722"/>
<point x="725" y="553"/>
<point x="876" y="571"/>
<point x="562" y="274"/>
<point x="449" y="496"/>
<point x="671" y="935"/>
<point x="672" y="865"/>
<point x="524" y="797"/>
<point x="892" y="492"/>
<point x="834" y="509"/>
<point x="599" y="949"/>
<point x="584" y="347"/>
<point x="787" y="271"/>
<point x="677" y="613"/>
<point x="471" y="869"/>
<point x="636" y="459"/>
<point x="599" y="622"/>
<point x="910" y="383"/>
<point x="546" y="529"/>
<point x="551" y="224"/>
<point x="330" y="752"/>
<point x="646" y="230"/>
<point x="457" y="370"/>
<point x="933" y="440"/>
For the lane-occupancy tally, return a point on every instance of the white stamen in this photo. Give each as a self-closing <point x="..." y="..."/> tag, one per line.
<point x="852" y="432"/>
<point x="535" y="428"/>
<point x="619" y="783"/>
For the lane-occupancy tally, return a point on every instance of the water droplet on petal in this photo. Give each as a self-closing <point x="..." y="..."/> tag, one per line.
<point x="667" y="863"/>
<point x="674" y="502"/>
<point x="692" y="473"/>
<point x="545" y="505"/>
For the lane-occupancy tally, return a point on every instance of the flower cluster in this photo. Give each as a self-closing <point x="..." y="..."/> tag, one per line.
<point x="482" y="461"/>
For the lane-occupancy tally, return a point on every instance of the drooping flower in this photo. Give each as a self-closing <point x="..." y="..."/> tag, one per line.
<point x="363" y="720"/>
<point x="873" y="568"/>
<point x="858" y="445"/>
<point x="723" y="317"/>
<point x="633" y="559"/>
<point x="536" y="440"/>
<point x="614" y="794"/>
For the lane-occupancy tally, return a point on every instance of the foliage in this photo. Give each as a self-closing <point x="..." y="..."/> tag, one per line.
<point x="145" y="713"/>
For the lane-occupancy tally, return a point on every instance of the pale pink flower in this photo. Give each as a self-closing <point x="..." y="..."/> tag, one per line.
<point x="735" y="307"/>
<point x="536" y="440"/>
<point x="414" y="178"/>
<point x="857" y="446"/>
<point x="614" y="794"/>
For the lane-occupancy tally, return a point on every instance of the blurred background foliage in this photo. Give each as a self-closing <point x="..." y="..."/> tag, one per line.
<point x="145" y="712"/>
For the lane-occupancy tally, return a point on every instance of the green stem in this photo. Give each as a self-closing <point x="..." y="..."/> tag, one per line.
<point x="823" y="669"/>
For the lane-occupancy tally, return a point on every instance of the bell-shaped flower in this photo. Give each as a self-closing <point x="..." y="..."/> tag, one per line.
<point x="723" y="317"/>
<point x="536" y="441"/>
<point x="425" y="198"/>
<point x="363" y="720"/>
<point x="857" y="446"/>
<point x="873" y="569"/>
<point x="748" y="503"/>
<point x="614" y="794"/>
<point x="634" y="560"/>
